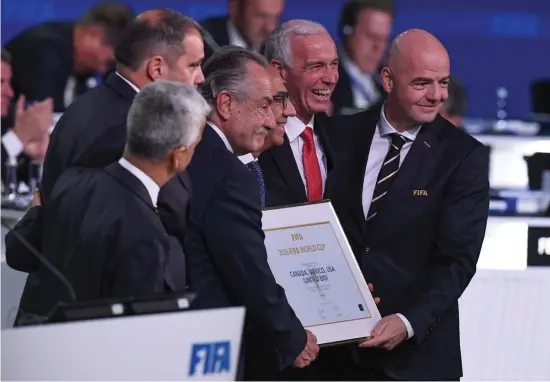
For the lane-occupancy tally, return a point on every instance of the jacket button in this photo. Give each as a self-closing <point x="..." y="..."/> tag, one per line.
<point x="366" y="251"/>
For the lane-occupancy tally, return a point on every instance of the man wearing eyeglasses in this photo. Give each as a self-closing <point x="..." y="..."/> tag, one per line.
<point x="282" y="108"/>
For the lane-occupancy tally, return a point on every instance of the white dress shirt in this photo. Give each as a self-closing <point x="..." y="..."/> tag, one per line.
<point x="152" y="187"/>
<point x="294" y="128"/>
<point x="12" y="144"/>
<point x="247" y="158"/>
<point x="361" y="83"/>
<point x="128" y="82"/>
<point x="378" y="150"/>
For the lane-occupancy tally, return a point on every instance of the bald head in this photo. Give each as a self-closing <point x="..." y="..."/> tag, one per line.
<point x="412" y="45"/>
<point x="416" y="79"/>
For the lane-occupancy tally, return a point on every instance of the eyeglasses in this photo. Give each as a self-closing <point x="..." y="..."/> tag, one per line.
<point x="282" y="98"/>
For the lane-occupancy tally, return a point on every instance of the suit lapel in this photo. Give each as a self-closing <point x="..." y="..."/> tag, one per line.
<point x="284" y="158"/>
<point x="134" y="185"/>
<point x="321" y="125"/>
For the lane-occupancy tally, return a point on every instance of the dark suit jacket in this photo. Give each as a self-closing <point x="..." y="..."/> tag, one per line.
<point x="104" y="235"/>
<point x="283" y="182"/>
<point x="420" y="251"/>
<point x="342" y="96"/>
<point x="43" y="60"/>
<point x="217" y="28"/>
<point x="92" y="133"/>
<point x="227" y="258"/>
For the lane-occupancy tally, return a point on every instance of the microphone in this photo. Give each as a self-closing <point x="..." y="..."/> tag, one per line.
<point x="45" y="262"/>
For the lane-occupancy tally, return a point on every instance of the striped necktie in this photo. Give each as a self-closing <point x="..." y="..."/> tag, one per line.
<point x="387" y="174"/>
<point x="255" y="168"/>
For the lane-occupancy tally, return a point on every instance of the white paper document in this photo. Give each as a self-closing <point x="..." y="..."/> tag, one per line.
<point x="311" y="259"/>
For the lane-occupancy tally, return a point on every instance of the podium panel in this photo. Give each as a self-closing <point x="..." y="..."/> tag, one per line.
<point x="191" y="345"/>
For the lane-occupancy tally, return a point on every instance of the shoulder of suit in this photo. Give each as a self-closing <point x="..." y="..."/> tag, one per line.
<point x="456" y="136"/>
<point x="214" y="22"/>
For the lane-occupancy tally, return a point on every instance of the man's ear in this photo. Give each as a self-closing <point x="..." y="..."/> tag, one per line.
<point x="156" y="68"/>
<point x="387" y="79"/>
<point x="224" y="104"/>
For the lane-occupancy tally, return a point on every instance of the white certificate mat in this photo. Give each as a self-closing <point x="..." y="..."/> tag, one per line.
<point x="311" y="259"/>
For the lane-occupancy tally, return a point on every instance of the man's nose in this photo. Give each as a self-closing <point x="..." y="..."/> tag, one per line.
<point x="269" y="121"/>
<point x="289" y="110"/>
<point x="331" y="76"/>
<point x="199" y="79"/>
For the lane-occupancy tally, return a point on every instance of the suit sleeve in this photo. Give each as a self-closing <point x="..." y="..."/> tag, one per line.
<point x="18" y="254"/>
<point x="235" y="239"/>
<point x="461" y="230"/>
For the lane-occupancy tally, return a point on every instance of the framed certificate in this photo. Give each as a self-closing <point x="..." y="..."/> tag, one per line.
<point x="312" y="260"/>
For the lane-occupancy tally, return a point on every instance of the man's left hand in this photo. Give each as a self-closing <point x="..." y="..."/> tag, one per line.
<point x="387" y="334"/>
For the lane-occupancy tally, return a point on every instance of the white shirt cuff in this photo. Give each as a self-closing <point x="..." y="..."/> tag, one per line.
<point x="410" y="330"/>
<point x="12" y="144"/>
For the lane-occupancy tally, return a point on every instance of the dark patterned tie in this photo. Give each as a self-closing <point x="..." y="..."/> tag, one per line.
<point x="254" y="166"/>
<point x="387" y="174"/>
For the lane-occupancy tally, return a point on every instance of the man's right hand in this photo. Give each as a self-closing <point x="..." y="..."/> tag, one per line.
<point x="32" y="125"/>
<point x="310" y="352"/>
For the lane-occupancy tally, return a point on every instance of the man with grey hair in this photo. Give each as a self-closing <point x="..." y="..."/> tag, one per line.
<point x="305" y="56"/>
<point x="101" y="229"/>
<point x="227" y="257"/>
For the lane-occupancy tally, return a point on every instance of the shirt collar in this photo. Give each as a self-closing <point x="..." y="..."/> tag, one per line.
<point x="386" y="128"/>
<point x="152" y="187"/>
<point x="295" y="127"/>
<point x="128" y="82"/>
<point x="222" y="136"/>
<point x="235" y="37"/>
<point x="247" y="158"/>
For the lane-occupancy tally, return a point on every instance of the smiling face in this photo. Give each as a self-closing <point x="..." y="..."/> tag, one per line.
<point x="417" y="83"/>
<point x="312" y="75"/>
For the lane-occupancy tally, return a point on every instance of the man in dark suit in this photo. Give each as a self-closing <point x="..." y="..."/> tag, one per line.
<point x="61" y="60"/>
<point x="454" y="109"/>
<point x="101" y="229"/>
<point x="227" y="258"/>
<point x="412" y="194"/>
<point x="247" y="25"/>
<point x="364" y="28"/>
<point x="25" y="134"/>
<point x="296" y="171"/>
<point x="158" y="44"/>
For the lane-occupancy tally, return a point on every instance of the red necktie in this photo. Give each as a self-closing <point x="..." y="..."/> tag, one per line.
<point x="311" y="167"/>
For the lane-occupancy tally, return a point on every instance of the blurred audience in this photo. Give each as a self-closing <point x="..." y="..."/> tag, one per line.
<point x="25" y="134"/>
<point x="454" y="108"/>
<point x="62" y="60"/>
<point x="364" y="28"/>
<point x="247" y="25"/>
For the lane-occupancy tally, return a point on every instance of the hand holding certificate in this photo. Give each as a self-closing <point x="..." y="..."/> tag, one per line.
<point x="311" y="259"/>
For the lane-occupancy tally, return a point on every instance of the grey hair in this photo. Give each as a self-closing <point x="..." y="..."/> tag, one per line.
<point x="227" y="70"/>
<point x="164" y="115"/>
<point x="277" y="45"/>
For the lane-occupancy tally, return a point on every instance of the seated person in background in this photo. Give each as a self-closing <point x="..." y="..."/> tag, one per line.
<point x="25" y="134"/>
<point x="101" y="228"/>
<point x="247" y="24"/>
<point x="364" y="28"/>
<point x="62" y="59"/>
<point x="454" y="108"/>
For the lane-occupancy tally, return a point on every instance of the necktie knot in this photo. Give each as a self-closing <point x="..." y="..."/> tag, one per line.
<point x="307" y="135"/>
<point x="397" y="140"/>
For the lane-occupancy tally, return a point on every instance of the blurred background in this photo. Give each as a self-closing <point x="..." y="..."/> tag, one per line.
<point x="501" y="62"/>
